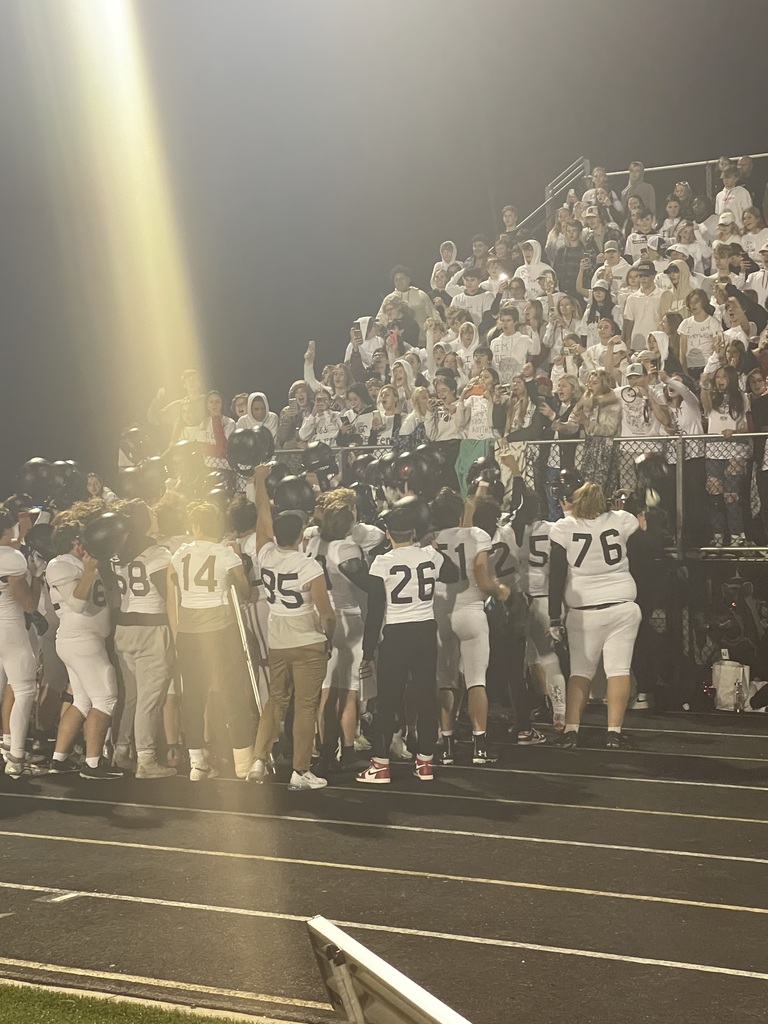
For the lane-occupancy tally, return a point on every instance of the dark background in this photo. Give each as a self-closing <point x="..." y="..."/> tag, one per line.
<point x="313" y="145"/>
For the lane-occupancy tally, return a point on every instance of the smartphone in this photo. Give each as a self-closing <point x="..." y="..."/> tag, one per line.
<point x="293" y="406"/>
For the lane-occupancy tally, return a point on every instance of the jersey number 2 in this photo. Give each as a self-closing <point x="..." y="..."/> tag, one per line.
<point x="426" y="584"/>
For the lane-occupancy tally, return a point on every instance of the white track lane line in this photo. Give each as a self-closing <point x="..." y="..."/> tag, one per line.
<point x="374" y="870"/>
<point x="651" y="753"/>
<point x="631" y="727"/>
<point x="381" y="790"/>
<point x="606" y="778"/>
<point x="164" y="983"/>
<point x="475" y="940"/>
<point x="457" y="833"/>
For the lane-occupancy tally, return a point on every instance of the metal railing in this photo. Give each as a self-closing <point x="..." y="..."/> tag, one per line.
<point x="611" y="463"/>
<point x="708" y="166"/>
<point x="576" y="173"/>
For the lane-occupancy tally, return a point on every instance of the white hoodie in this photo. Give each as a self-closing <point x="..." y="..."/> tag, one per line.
<point x="405" y="399"/>
<point x="530" y="272"/>
<point x="466" y="352"/>
<point x="249" y="422"/>
<point x="441" y="263"/>
<point x="368" y="345"/>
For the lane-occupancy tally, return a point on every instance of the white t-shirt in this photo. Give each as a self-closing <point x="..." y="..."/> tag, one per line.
<point x="12" y="563"/>
<point x="410" y="577"/>
<point x="77" y="617"/>
<point x="537" y="557"/>
<point x="598" y="568"/>
<point x="462" y="544"/>
<point x="202" y="568"/>
<point x="287" y="575"/>
<point x="511" y="352"/>
<point x="645" y="313"/>
<point x="344" y="595"/>
<point x="752" y="243"/>
<point x="700" y="336"/>
<point x="637" y="419"/>
<point x="138" y="592"/>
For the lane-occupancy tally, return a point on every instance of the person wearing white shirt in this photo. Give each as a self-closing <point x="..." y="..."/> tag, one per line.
<point x="642" y="312"/>
<point x="471" y="298"/>
<point x="755" y="232"/>
<point x="734" y="198"/>
<point x="512" y="349"/>
<point x="699" y="333"/>
<point x="758" y="281"/>
<point x="696" y="247"/>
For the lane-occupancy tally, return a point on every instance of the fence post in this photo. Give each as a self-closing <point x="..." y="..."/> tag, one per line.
<point x="679" y="494"/>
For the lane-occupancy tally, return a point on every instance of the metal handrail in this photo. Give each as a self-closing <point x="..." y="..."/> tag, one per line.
<point x="677" y="167"/>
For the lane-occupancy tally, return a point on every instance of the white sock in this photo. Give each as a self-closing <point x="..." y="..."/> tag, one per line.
<point x="446" y="732"/>
<point x="92" y="762"/>
<point x="57" y="756"/>
<point x="6" y="739"/>
<point x="611" y="728"/>
<point x="571" y="728"/>
<point x="197" y="758"/>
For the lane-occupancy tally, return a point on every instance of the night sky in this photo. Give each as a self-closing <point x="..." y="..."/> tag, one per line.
<point x="311" y="146"/>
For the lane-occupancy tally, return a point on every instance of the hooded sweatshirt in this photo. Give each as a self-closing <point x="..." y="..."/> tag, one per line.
<point x="368" y="346"/>
<point x="466" y="352"/>
<point x="249" y="422"/>
<point x="441" y="263"/>
<point x="673" y="300"/>
<point x="405" y="398"/>
<point x="530" y="272"/>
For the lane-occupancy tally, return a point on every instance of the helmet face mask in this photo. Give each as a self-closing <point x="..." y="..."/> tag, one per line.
<point x="247" y="448"/>
<point x="567" y="483"/>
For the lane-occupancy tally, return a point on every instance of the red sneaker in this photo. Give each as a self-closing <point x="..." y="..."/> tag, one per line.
<point x="376" y="774"/>
<point x="423" y="769"/>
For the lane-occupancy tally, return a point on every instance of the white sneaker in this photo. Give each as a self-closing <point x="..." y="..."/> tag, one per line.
<point x="398" y="750"/>
<point x="15" y="767"/>
<point x="202" y="772"/>
<point x="306" y="781"/>
<point x="640" y="703"/>
<point x="150" y="768"/>
<point x="362" y="743"/>
<point x="258" y="771"/>
<point x="738" y="540"/>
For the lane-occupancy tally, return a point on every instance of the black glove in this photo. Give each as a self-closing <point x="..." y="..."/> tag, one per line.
<point x="37" y="620"/>
<point x="557" y="630"/>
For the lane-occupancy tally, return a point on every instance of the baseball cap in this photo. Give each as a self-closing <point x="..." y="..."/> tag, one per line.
<point x="635" y="370"/>
<point x="645" y="355"/>
<point x="611" y="246"/>
<point x="763" y="247"/>
<point x="601" y="284"/>
<point x="654" y="242"/>
<point x="726" y="218"/>
<point x="645" y="267"/>
<point x="591" y="211"/>
<point x="670" y="268"/>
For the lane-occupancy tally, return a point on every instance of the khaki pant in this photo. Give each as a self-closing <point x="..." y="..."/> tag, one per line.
<point x="145" y="655"/>
<point x="301" y="671"/>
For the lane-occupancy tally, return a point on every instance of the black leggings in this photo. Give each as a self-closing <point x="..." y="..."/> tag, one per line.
<point x="215" y="659"/>
<point x="407" y="656"/>
<point x="506" y="682"/>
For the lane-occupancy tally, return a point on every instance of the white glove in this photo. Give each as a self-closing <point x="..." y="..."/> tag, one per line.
<point x="557" y="630"/>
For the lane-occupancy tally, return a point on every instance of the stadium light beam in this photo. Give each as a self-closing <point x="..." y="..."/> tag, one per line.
<point x="106" y="131"/>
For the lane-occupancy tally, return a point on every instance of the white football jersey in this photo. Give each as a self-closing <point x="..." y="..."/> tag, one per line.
<point x="462" y="544"/>
<point x="138" y="594"/>
<point x="202" y="568"/>
<point x="506" y="559"/>
<point x="286" y="576"/>
<point x="537" y="557"/>
<point x="410" y="575"/>
<point x="76" y="617"/>
<point x="598" y="569"/>
<point x="345" y="596"/>
<point x="12" y="563"/>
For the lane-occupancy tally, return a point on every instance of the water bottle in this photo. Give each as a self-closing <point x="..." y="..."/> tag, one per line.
<point x="739" y="693"/>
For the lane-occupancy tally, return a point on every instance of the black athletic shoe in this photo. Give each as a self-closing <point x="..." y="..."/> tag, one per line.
<point x="480" y="753"/>
<point x="447" y="752"/>
<point x="617" y="741"/>
<point x="566" y="741"/>
<point x="64" y="767"/>
<point x="105" y="771"/>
